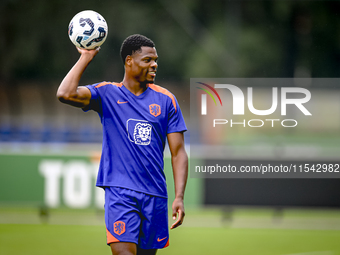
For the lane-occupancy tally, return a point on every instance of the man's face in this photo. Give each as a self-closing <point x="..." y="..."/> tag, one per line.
<point x="144" y="65"/>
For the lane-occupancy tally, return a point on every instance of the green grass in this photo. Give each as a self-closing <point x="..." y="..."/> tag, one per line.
<point x="51" y="239"/>
<point x="252" y="241"/>
<point x="74" y="239"/>
<point x="247" y="231"/>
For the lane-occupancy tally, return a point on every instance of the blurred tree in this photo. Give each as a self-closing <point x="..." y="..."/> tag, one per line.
<point x="193" y="38"/>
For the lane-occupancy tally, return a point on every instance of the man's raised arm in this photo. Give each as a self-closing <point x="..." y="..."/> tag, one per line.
<point x="68" y="91"/>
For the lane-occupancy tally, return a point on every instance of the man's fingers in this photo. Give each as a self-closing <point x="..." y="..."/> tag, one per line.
<point x="174" y="215"/>
<point x="176" y="224"/>
<point x="94" y="52"/>
<point x="179" y="220"/>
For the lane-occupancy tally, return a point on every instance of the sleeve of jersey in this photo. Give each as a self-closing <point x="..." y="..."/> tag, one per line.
<point x="95" y="102"/>
<point x="176" y="121"/>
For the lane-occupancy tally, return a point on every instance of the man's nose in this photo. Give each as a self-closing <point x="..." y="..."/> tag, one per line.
<point x="154" y="64"/>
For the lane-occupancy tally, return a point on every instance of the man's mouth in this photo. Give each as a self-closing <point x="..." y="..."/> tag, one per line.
<point x="152" y="73"/>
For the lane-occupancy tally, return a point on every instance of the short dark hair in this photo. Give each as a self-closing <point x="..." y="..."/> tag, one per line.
<point x="134" y="43"/>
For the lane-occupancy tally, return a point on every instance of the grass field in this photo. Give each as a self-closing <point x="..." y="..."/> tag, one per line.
<point x="247" y="231"/>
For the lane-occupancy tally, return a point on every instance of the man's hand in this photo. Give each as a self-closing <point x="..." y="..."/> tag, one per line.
<point x="89" y="53"/>
<point x="177" y="212"/>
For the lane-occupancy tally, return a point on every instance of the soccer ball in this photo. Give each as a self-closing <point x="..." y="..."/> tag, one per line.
<point x="88" y="30"/>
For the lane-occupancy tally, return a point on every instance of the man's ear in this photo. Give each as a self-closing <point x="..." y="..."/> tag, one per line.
<point x="128" y="60"/>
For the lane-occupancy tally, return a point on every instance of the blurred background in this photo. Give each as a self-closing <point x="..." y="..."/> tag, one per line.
<point x="194" y="39"/>
<point x="49" y="152"/>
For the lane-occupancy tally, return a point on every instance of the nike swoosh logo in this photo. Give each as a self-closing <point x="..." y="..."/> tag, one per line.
<point x="119" y="102"/>
<point x="160" y="240"/>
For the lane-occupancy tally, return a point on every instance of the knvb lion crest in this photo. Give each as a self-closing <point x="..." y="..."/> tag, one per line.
<point x="119" y="227"/>
<point x="142" y="134"/>
<point x="155" y="109"/>
<point x="139" y="131"/>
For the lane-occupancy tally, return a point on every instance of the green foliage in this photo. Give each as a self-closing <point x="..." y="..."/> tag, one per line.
<point x="193" y="38"/>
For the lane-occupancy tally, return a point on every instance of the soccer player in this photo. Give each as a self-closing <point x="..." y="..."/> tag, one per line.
<point x="137" y="117"/>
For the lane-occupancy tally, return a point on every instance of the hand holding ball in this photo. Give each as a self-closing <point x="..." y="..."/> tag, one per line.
<point x="88" y="30"/>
